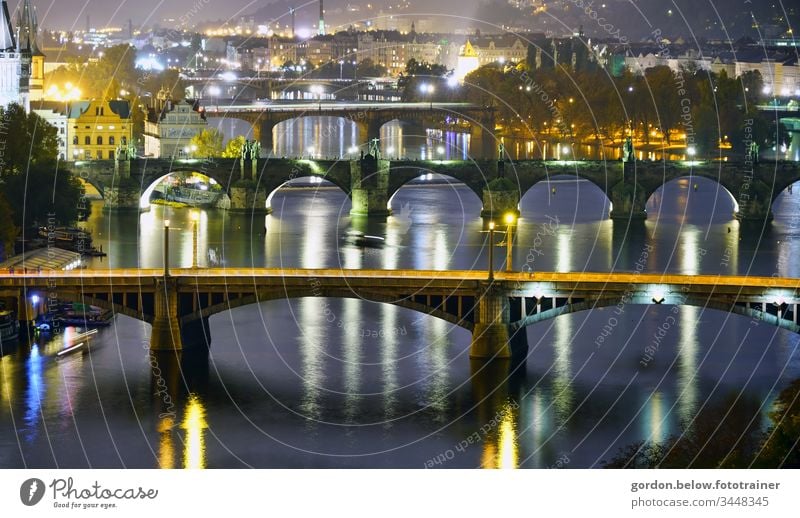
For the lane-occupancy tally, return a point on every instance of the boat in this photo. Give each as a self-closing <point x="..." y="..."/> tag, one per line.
<point x="76" y="314"/>
<point x="9" y="326"/>
<point x="358" y="238"/>
<point x="201" y="198"/>
<point x="79" y="342"/>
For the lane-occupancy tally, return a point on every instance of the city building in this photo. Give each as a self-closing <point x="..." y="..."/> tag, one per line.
<point x="55" y="114"/>
<point x="97" y="128"/>
<point x="170" y="126"/>
<point x="21" y="61"/>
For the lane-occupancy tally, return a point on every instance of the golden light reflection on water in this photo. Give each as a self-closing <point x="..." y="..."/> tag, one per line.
<point x="194" y="422"/>
<point x="563" y="390"/>
<point x="166" y="445"/>
<point x="656" y="431"/>
<point x="501" y="448"/>
<point x="313" y="357"/>
<point x="688" y="351"/>
<point x="353" y="340"/>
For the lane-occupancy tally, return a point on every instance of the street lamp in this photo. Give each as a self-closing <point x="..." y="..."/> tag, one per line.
<point x="427" y="89"/>
<point x="195" y="220"/>
<point x="166" y="248"/>
<point x="510" y="219"/>
<point x="491" y="251"/>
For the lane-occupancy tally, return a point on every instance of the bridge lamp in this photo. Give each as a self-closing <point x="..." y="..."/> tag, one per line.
<point x="510" y="218"/>
<point x="353" y="150"/>
<point x="691" y="151"/>
<point x="166" y="248"/>
<point x="440" y="150"/>
<point x="491" y="251"/>
<point x="34" y="299"/>
<point x="389" y="151"/>
<point x="195" y="217"/>
<point x="311" y="150"/>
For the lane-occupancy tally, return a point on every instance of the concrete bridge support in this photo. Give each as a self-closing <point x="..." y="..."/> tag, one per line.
<point x="166" y="333"/>
<point x="369" y="187"/>
<point x="491" y="334"/>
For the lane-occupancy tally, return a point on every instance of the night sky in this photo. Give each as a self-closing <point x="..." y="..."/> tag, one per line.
<point x="632" y="15"/>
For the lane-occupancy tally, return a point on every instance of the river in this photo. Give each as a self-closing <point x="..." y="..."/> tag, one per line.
<point x="347" y="383"/>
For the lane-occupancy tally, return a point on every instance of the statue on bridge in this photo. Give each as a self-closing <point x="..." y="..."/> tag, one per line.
<point x="375" y="149"/>
<point x="753" y="152"/>
<point x="125" y="152"/>
<point x="251" y="150"/>
<point x="627" y="150"/>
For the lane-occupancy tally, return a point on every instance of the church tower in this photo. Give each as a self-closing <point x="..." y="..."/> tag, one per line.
<point x="32" y="73"/>
<point x="10" y="60"/>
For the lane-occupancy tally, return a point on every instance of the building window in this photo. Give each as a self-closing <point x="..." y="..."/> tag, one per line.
<point x="87" y="141"/>
<point x="99" y="141"/>
<point x="124" y="141"/>
<point x="111" y="141"/>
<point x="75" y="140"/>
<point x="111" y="155"/>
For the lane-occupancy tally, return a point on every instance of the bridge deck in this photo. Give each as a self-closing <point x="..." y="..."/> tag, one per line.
<point x="377" y="276"/>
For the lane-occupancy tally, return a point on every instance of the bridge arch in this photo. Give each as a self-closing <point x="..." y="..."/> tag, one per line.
<point x="409" y="175"/>
<point x="695" y="184"/>
<point x="273" y="189"/>
<point x="153" y="183"/>
<point x="443" y="311"/>
<point x="333" y="135"/>
<point x="568" y="306"/>
<point x="784" y="202"/>
<point x="552" y="184"/>
<point x="94" y="184"/>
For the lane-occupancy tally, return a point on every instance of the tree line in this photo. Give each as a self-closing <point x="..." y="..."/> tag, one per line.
<point x="659" y="107"/>
<point x="33" y="187"/>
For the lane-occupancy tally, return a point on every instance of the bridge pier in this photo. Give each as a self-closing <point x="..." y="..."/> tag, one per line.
<point x="369" y="187"/>
<point x="166" y="332"/>
<point x="247" y="196"/>
<point x="122" y="197"/>
<point x="628" y="199"/>
<point x="755" y="202"/>
<point x="500" y="197"/>
<point x="262" y="133"/>
<point x="491" y="332"/>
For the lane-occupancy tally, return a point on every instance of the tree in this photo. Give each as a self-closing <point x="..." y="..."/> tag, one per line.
<point x="28" y="140"/>
<point x="208" y="143"/>
<point x="234" y="147"/>
<point x="44" y="192"/>
<point x="8" y="231"/>
<point x="368" y="68"/>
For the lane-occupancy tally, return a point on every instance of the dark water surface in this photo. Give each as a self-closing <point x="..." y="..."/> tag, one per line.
<point x="346" y="383"/>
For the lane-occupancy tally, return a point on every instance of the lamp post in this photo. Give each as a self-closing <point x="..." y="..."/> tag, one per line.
<point x="491" y="251"/>
<point x="166" y="248"/>
<point x="195" y="221"/>
<point x="510" y="220"/>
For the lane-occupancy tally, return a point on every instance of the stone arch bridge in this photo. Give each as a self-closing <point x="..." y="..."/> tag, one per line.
<point x="500" y="185"/>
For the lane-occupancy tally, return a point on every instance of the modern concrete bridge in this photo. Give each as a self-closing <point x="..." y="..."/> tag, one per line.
<point x="179" y="303"/>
